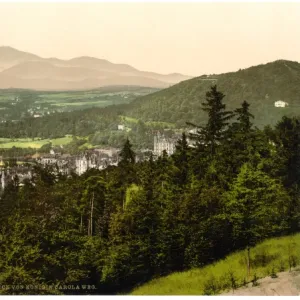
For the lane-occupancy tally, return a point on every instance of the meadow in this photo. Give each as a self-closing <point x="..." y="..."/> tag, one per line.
<point x="74" y="100"/>
<point x="17" y="104"/>
<point x="6" y="143"/>
<point x="271" y="256"/>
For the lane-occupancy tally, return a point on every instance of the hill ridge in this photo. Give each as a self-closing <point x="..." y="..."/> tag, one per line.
<point x="260" y="85"/>
<point x="111" y="73"/>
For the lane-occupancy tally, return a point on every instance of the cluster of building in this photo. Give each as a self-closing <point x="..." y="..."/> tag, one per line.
<point x="91" y="159"/>
<point x="61" y="163"/>
<point x="17" y="174"/>
<point x="79" y="164"/>
<point x="161" y="143"/>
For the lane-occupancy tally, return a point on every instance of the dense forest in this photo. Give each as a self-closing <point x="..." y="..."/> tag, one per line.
<point x="106" y="232"/>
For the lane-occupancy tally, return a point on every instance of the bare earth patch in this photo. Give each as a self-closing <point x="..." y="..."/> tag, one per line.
<point x="287" y="284"/>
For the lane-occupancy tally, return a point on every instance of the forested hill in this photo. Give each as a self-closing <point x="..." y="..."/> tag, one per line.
<point x="260" y="86"/>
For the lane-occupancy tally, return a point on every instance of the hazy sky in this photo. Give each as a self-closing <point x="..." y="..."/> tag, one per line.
<point x="191" y="38"/>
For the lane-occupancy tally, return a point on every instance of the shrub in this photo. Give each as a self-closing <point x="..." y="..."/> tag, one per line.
<point x="263" y="258"/>
<point x="281" y="266"/>
<point x="210" y="286"/>
<point x="232" y="280"/>
<point x="273" y="273"/>
<point x="254" y="280"/>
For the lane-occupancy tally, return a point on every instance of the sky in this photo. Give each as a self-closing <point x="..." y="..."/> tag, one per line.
<point x="189" y="38"/>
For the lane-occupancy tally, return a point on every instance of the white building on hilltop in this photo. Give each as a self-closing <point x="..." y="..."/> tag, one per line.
<point x="280" y="103"/>
<point x="162" y="143"/>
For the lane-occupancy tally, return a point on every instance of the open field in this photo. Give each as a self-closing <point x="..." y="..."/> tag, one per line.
<point x="16" y="104"/>
<point x="129" y="119"/>
<point x="87" y="145"/>
<point x="29" y="143"/>
<point x="95" y="103"/>
<point x="271" y="254"/>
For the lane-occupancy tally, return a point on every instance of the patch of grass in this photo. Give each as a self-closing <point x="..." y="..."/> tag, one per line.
<point x="62" y="141"/>
<point x="29" y="143"/>
<point x="82" y="103"/>
<point x="87" y="145"/>
<point x="215" y="278"/>
<point x="129" y="119"/>
<point x="23" y="144"/>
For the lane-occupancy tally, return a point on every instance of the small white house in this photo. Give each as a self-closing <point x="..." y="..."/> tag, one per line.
<point x="121" y="127"/>
<point x="280" y="104"/>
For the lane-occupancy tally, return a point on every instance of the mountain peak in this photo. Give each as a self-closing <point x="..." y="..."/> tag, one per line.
<point x="8" y="53"/>
<point x="89" y="59"/>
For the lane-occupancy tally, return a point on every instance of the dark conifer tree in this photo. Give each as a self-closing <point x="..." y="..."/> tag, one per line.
<point x="127" y="155"/>
<point x="288" y="153"/>
<point x="214" y="131"/>
<point x="241" y="140"/>
<point x="181" y="158"/>
<point x="244" y="117"/>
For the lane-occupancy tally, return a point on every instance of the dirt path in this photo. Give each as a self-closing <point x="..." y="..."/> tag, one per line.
<point x="287" y="284"/>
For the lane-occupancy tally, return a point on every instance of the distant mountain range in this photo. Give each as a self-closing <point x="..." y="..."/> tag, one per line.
<point x="20" y="69"/>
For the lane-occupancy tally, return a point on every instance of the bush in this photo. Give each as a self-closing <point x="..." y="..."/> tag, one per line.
<point x="281" y="266"/>
<point x="232" y="280"/>
<point x="210" y="286"/>
<point x="263" y="258"/>
<point x="254" y="280"/>
<point x="292" y="261"/>
<point x="273" y="273"/>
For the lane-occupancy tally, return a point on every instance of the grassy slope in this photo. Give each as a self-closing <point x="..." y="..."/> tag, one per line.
<point x="192" y="282"/>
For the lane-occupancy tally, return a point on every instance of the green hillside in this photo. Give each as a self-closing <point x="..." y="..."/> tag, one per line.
<point x="260" y="85"/>
<point x="274" y="254"/>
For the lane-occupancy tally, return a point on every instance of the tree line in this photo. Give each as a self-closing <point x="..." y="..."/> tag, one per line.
<point x="114" y="229"/>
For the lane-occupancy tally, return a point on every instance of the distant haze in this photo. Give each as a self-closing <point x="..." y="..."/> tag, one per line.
<point x="25" y="70"/>
<point x="189" y="38"/>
